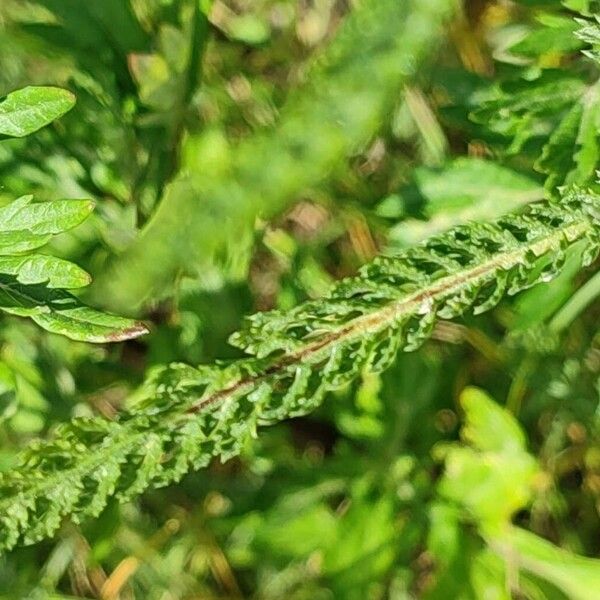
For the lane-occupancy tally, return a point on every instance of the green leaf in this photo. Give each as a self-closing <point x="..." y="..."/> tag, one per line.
<point x="39" y="268"/>
<point x="524" y="109"/>
<point x="43" y="218"/>
<point x="60" y="312"/>
<point x="577" y="576"/>
<point x="27" y="225"/>
<point x="492" y="478"/>
<point x="467" y="189"/>
<point x="31" y="284"/>
<point x="488" y="426"/>
<point x="581" y="6"/>
<point x="589" y="33"/>
<point x="26" y="110"/>
<point x="556" y="35"/>
<point x="185" y="416"/>
<point x="572" y="153"/>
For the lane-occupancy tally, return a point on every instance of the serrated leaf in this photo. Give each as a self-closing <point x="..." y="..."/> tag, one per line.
<point x="25" y="111"/>
<point x="572" y="152"/>
<point x="524" y="109"/>
<point x="589" y="32"/>
<point x="184" y="416"/>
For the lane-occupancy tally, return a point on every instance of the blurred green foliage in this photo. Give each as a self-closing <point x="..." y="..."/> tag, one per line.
<point x="245" y="155"/>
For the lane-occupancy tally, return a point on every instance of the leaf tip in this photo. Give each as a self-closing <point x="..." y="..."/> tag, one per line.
<point x="90" y="206"/>
<point x="128" y="333"/>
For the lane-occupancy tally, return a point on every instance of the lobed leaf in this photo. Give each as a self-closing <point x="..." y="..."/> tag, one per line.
<point x="186" y="416"/>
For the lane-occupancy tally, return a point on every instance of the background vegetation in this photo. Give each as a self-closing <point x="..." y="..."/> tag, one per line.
<point x="245" y="155"/>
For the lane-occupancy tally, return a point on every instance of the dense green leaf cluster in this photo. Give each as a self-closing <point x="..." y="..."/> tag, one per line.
<point x="32" y="284"/>
<point x="543" y="103"/>
<point x="255" y="153"/>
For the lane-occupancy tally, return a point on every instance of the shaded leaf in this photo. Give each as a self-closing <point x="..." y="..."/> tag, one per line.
<point x="467" y="189"/>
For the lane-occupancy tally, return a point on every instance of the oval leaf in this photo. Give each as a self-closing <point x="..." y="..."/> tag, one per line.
<point x="41" y="268"/>
<point x="26" y="110"/>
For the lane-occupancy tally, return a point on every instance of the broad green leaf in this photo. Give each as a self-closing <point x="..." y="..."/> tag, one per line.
<point x="40" y="268"/>
<point x="17" y="242"/>
<point x="31" y="285"/>
<point x="27" y="225"/>
<point x="467" y="189"/>
<point x="85" y="324"/>
<point x="43" y="218"/>
<point x="24" y="111"/>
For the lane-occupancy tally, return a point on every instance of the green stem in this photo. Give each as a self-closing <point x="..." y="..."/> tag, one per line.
<point x="578" y="302"/>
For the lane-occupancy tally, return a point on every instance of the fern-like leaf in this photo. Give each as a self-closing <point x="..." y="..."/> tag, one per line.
<point x="187" y="416"/>
<point x="559" y="109"/>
